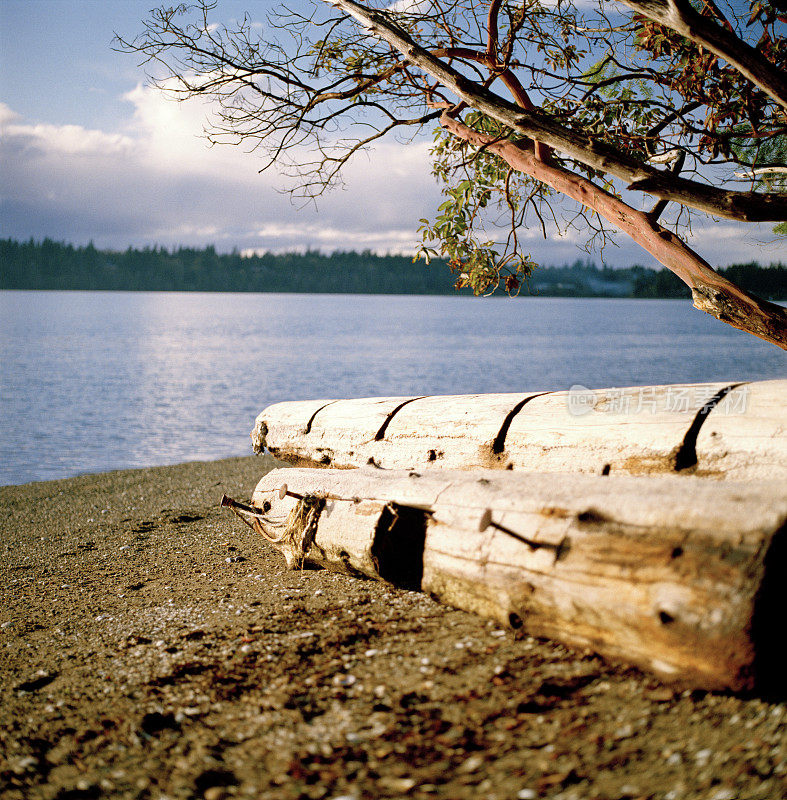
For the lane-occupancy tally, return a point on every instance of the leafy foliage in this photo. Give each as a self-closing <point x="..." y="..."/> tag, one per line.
<point x="731" y="105"/>
<point x="484" y="180"/>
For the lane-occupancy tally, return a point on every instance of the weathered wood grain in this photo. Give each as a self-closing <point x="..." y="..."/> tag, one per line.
<point x="674" y="574"/>
<point x="634" y="430"/>
<point x="745" y="436"/>
<point x="388" y="431"/>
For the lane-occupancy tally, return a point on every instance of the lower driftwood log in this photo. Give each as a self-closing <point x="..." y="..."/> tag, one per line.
<point x="681" y="576"/>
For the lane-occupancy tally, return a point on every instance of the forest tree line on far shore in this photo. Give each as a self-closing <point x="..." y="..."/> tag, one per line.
<point x="55" y="265"/>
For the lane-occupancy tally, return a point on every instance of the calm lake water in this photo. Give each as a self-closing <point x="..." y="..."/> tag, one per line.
<point x="91" y="381"/>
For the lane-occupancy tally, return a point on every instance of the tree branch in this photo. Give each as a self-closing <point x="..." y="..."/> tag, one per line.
<point x="683" y="19"/>
<point x="491" y="25"/>
<point x="506" y="75"/>
<point x="736" y="205"/>
<point x="711" y="292"/>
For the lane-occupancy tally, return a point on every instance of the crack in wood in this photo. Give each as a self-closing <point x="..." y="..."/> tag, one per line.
<point x="686" y="456"/>
<point x="768" y="666"/>
<point x="499" y="443"/>
<point x="384" y="427"/>
<point x="308" y="427"/>
<point x="399" y="543"/>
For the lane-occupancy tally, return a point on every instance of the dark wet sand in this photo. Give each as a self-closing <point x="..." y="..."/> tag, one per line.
<point x="153" y="647"/>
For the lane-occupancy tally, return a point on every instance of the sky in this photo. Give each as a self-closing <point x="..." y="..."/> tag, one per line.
<point x="90" y="152"/>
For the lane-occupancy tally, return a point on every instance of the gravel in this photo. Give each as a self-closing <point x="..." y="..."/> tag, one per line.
<point x="152" y="646"/>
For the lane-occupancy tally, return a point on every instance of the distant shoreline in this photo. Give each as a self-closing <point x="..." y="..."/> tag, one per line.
<point x="463" y="295"/>
<point x="54" y="266"/>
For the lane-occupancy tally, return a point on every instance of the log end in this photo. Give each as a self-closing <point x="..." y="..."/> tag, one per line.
<point x="258" y="435"/>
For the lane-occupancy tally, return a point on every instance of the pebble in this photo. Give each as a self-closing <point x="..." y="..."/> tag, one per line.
<point x="184" y="713"/>
<point x="526" y="794"/>
<point x="396" y="784"/>
<point x="661" y="695"/>
<point x="703" y="755"/>
<point x="25" y="763"/>
<point x="471" y="764"/>
<point x="724" y="793"/>
<point x="624" y="732"/>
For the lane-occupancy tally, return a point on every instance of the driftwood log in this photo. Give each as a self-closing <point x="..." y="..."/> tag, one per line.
<point x="734" y="431"/>
<point x="680" y="575"/>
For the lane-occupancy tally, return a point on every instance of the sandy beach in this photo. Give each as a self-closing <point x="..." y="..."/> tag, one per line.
<point x="152" y="646"/>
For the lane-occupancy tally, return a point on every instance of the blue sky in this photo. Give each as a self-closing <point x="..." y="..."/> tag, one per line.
<point x="89" y="152"/>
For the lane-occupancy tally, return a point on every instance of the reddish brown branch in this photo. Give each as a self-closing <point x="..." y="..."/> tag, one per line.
<point x="508" y="77"/>
<point x="492" y="29"/>
<point x="711" y="292"/>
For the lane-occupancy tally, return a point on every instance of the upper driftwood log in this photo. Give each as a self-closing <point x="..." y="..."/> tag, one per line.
<point x="736" y="431"/>
<point x="682" y="576"/>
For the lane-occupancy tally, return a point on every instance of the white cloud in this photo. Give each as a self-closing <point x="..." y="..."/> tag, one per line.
<point x="731" y="243"/>
<point x="157" y="180"/>
<point x="61" y="139"/>
<point x="330" y="238"/>
<point x="171" y="138"/>
<point x="406" y="6"/>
